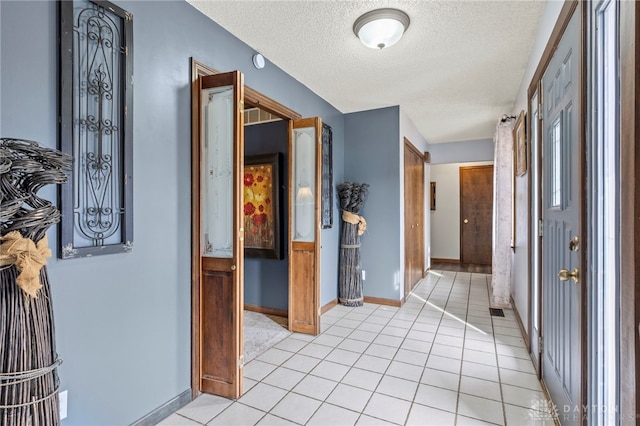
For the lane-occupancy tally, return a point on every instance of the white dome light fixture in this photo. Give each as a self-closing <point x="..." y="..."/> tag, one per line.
<point x="258" y="61"/>
<point x="381" y="28"/>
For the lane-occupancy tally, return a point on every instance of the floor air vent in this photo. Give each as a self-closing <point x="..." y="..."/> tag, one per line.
<point x="496" y="312"/>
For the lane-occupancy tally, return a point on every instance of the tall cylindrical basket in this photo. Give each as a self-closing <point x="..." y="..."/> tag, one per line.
<point x="352" y="197"/>
<point x="28" y="358"/>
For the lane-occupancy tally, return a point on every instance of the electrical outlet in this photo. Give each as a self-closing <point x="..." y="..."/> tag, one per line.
<point x="364" y="276"/>
<point x="62" y="398"/>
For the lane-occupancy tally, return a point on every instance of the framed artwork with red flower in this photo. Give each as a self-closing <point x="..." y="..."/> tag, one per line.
<point x="262" y="209"/>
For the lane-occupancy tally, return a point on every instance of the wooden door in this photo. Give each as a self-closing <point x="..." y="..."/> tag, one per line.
<point x="218" y="198"/>
<point x="561" y="205"/>
<point x="305" y="165"/>
<point x="413" y="216"/>
<point x="476" y="214"/>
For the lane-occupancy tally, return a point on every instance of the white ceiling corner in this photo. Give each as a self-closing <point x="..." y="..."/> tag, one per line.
<point x="454" y="73"/>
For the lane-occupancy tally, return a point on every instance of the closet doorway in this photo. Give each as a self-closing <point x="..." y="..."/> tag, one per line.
<point x="218" y="104"/>
<point x="413" y="216"/>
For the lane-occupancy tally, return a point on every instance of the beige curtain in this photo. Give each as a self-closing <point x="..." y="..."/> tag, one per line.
<point x="502" y="214"/>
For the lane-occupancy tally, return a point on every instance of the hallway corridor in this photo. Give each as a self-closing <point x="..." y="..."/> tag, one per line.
<point x="441" y="359"/>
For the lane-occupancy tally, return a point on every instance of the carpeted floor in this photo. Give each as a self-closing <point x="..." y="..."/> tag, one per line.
<point x="260" y="333"/>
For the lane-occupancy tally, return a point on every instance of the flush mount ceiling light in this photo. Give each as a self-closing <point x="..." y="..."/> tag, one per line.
<point x="381" y="28"/>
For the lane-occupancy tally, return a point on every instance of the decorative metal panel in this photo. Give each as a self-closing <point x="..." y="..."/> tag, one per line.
<point x="327" y="177"/>
<point x="96" y="94"/>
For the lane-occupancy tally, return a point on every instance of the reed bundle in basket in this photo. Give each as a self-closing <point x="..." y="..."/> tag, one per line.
<point x="28" y="359"/>
<point x="352" y="196"/>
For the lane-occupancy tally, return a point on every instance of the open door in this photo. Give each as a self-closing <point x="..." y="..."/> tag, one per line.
<point x="218" y="198"/>
<point x="304" y="224"/>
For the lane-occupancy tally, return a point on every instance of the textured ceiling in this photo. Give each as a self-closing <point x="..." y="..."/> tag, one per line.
<point x="454" y="73"/>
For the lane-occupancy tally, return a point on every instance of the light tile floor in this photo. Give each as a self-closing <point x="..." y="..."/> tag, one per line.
<point x="441" y="359"/>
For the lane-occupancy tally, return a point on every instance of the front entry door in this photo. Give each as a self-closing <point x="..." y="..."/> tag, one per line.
<point x="305" y="164"/>
<point x="561" y="201"/>
<point x="476" y="214"/>
<point x="221" y="245"/>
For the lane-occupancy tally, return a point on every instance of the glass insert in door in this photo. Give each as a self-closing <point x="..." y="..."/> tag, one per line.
<point x="217" y="172"/>
<point x="304" y="184"/>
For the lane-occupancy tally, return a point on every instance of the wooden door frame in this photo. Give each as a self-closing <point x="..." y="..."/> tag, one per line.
<point x="538" y="253"/>
<point x="484" y="166"/>
<point x="251" y="98"/>
<point x="420" y="155"/>
<point x="566" y="13"/>
<point x="630" y="209"/>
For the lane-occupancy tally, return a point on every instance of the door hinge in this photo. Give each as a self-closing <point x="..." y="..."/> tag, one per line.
<point x="241" y="361"/>
<point x="540" y="344"/>
<point x="540" y="102"/>
<point x="540" y="229"/>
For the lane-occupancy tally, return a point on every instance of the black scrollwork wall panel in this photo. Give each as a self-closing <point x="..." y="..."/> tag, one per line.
<point x="96" y="97"/>
<point x="327" y="176"/>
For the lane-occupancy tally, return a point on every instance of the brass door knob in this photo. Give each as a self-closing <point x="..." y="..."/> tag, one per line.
<point x="466" y="221"/>
<point x="233" y="267"/>
<point x="566" y="275"/>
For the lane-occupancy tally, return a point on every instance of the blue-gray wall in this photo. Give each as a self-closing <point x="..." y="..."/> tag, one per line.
<point x="266" y="281"/>
<point x="123" y="321"/>
<point x="371" y="155"/>
<point x="462" y="152"/>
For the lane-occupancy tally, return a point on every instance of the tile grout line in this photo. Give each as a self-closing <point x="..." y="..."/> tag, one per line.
<point x="462" y="361"/>
<point x="424" y="304"/>
<point x="390" y="361"/>
<point x="504" y="411"/>
<point x="361" y="413"/>
<point x="287" y="392"/>
<point x="323" y="401"/>
<point x="452" y="301"/>
<point x="464" y="341"/>
<point x="436" y="333"/>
